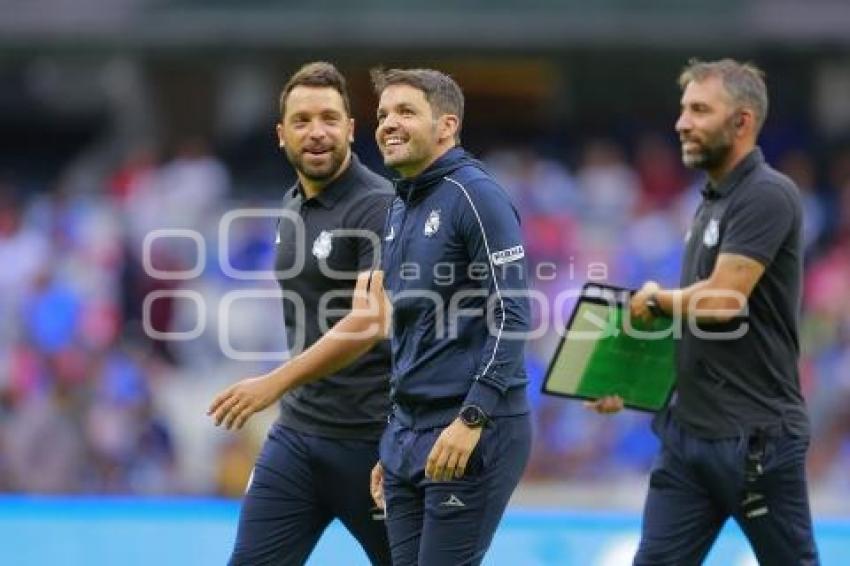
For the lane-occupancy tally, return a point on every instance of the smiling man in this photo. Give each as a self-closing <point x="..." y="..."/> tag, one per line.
<point x="734" y="440"/>
<point x="315" y="464"/>
<point x="459" y="434"/>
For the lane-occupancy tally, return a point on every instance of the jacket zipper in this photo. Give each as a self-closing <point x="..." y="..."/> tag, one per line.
<point x="398" y="249"/>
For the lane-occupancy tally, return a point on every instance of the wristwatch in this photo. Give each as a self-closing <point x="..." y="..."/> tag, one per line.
<point x="472" y="416"/>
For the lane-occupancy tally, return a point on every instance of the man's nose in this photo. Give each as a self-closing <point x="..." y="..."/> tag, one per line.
<point x="317" y="130"/>
<point x="390" y="123"/>
<point x="683" y="124"/>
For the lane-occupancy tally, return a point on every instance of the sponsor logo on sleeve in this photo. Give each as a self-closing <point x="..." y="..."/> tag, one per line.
<point x="506" y="256"/>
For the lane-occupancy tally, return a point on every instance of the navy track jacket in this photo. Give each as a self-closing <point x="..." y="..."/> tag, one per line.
<point x="455" y="272"/>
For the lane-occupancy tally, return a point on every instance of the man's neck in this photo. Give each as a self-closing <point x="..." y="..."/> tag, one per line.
<point x="313" y="187"/>
<point x="736" y="155"/>
<point x="440" y="151"/>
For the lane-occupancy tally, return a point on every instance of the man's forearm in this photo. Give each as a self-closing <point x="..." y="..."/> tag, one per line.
<point x="343" y="344"/>
<point x="700" y="301"/>
<point x="719" y="298"/>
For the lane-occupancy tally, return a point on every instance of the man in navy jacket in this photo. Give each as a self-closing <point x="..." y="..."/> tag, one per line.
<point x="455" y="275"/>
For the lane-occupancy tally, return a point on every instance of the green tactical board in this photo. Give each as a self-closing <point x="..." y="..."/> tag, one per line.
<point x="598" y="356"/>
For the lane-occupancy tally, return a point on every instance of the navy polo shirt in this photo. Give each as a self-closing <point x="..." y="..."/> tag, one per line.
<point x="727" y="387"/>
<point x="353" y="402"/>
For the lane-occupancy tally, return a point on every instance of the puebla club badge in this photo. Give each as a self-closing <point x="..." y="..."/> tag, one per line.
<point x="322" y="245"/>
<point x="432" y="224"/>
<point x="712" y="233"/>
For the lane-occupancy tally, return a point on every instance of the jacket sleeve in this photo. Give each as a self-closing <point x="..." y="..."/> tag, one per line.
<point x="491" y="229"/>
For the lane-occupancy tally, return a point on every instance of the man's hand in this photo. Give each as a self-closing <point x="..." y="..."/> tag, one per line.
<point x="450" y="454"/>
<point x="237" y="403"/>
<point x="376" y="486"/>
<point x="638" y="305"/>
<point x="606" y="405"/>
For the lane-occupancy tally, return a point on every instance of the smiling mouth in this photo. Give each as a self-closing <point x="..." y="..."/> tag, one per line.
<point x="394" y="141"/>
<point x="318" y="151"/>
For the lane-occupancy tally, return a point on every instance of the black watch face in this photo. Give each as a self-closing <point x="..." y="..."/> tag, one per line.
<point x="472" y="416"/>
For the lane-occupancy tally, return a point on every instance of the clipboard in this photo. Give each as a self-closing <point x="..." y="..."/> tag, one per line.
<point x="602" y="352"/>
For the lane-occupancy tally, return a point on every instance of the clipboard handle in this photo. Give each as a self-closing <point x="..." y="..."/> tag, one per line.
<point x="604" y="292"/>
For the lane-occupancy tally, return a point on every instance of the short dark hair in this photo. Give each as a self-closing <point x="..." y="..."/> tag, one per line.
<point x="441" y="91"/>
<point x="318" y="74"/>
<point x="743" y="81"/>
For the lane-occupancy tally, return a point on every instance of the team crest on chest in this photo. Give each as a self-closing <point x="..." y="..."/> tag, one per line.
<point x="712" y="233"/>
<point x="322" y="245"/>
<point x="432" y="224"/>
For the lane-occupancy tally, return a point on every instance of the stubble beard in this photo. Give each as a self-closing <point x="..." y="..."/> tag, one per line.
<point x="713" y="151"/>
<point x="320" y="173"/>
<point x="414" y="152"/>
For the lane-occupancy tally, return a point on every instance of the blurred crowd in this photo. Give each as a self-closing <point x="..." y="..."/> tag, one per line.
<point x="124" y="305"/>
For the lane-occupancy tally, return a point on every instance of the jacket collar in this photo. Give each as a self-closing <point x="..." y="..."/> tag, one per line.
<point x="415" y="188"/>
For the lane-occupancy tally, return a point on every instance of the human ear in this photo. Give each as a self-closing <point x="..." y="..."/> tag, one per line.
<point x="279" y="129"/>
<point x="449" y="125"/>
